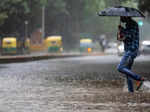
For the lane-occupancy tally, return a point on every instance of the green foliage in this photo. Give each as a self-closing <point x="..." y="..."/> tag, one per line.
<point x="100" y="25"/>
<point x="3" y="16"/>
<point x="66" y="17"/>
<point x="144" y="6"/>
<point x="103" y="25"/>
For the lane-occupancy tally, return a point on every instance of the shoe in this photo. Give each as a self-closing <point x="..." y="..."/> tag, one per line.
<point x="139" y="83"/>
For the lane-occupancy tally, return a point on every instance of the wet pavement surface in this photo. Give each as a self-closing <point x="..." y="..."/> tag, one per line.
<point x="83" y="84"/>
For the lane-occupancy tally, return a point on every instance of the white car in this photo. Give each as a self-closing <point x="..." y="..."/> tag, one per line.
<point x="120" y="49"/>
<point x="145" y="47"/>
<point x="111" y="48"/>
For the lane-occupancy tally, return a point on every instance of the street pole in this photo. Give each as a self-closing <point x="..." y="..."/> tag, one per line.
<point x="26" y="29"/>
<point x="43" y="22"/>
<point x="140" y="23"/>
<point x="25" y="37"/>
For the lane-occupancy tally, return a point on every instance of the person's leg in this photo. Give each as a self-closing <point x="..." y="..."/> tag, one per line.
<point x="130" y="73"/>
<point x="129" y="79"/>
<point x="130" y="84"/>
<point x="125" y="65"/>
<point x="126" y="62"/>
<point x="134" y="76"/>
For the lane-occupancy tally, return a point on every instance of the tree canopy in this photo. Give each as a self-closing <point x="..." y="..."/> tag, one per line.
<point x="144" y="6"/>
<point x="65" y="17"/>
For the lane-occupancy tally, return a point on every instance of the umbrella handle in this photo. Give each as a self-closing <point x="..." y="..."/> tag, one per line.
<point x="120" y="22"/>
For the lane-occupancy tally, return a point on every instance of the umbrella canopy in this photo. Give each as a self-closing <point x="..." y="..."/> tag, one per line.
<point x="121" y="11"/>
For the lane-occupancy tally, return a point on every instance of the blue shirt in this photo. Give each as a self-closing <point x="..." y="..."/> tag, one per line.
<point x="131" y="34"/>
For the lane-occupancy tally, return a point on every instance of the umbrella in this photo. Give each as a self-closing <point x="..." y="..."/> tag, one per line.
<point x="121" y="11"/>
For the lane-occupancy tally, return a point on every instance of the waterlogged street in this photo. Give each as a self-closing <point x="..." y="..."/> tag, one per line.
<point x="81" y="84"/>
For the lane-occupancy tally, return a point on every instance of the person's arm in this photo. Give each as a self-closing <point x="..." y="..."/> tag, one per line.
<point x="120" y="36"/>
<point x="127" y="33"/>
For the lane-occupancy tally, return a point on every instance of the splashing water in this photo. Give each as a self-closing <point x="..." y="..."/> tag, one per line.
<point x="146" y="86"/>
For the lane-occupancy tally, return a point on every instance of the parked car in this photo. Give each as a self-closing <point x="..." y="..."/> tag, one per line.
<point x="111" y="48"/>
<point x="120" y="49"/>
<point x="145" y="47"/>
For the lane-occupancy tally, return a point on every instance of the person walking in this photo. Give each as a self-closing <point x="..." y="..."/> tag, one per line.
<point x="130" y="37"/>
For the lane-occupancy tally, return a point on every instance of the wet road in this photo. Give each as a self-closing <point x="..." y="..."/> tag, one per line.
<point x="83" y="84"/>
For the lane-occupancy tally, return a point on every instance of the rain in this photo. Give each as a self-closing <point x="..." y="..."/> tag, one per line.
<point x="63" y="56"/>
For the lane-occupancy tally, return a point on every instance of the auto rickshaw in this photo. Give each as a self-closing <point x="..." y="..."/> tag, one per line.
<point x="9" y="45"/>
<point x="86" y="45"/>
<point x="54" y="43"/>
<point x="12" y="45"/>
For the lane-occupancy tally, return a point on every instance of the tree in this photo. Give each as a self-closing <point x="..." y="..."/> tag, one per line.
<point x="103" y="25"/>
<point x="144" y="6"/>
<point x="16" y="13"/>
<point x="13" y="14"/>
<point x="68" y="18"/>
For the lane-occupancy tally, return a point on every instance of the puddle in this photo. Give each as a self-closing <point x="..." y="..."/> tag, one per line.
<point x="146" y="86"/>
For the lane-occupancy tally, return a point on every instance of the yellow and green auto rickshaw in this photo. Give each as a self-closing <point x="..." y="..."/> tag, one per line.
<point x="54" y="43"/>
<point x="9" y="45"/>
<point x="86" y="45"/>
<point x="12" y="45"/>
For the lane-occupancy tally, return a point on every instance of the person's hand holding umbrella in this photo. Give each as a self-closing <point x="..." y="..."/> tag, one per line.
<point x="120" y="36"/>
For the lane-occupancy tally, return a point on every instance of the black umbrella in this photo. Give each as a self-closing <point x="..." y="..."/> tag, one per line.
<point x="121" y="11"/>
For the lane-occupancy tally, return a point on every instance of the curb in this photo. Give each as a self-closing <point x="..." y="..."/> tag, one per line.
<point x="17" y="59"/>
